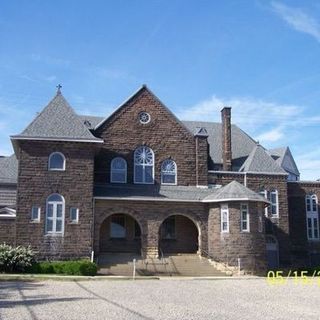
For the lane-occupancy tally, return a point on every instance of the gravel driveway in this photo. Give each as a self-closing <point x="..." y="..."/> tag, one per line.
<point x="158" y="299"/>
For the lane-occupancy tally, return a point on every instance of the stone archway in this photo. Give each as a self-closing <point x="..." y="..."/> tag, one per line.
<point x="179" y="234"/>
<point x="120" y="233"/>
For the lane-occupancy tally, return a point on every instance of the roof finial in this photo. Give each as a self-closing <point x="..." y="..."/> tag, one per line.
<point x="59" y="86"/>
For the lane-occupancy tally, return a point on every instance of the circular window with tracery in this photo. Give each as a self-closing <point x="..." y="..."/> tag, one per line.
<point x="144" y="117"/>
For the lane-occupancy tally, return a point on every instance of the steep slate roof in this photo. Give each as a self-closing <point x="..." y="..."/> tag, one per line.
<point x="241" y="143"/>
<point x="8" y="170"/>
<point x="152" y="192"/>
<point x="260" y="161"/>
<point x="8" y="196"/>
<point x="235" y="191"/>
<point x="57" y="121"/>
<point x="284" y="158"/>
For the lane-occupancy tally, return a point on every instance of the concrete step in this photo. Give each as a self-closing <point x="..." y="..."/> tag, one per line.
<point x="172" y="265"/>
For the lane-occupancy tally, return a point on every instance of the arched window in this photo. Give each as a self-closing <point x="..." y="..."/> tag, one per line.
<point x="118" y="170"/>
<point x="57" y="161"/>
<point x="144" y="165"/>
<point x="168" y="172"/>
<point x="312" y="217"/>
<point x="55" y="214"/>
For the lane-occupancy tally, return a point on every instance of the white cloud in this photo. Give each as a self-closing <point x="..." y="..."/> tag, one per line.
<point x="298" y="19"/>
<point x="272" y="135"/>
<point x="309" y="163"/>
<point x="249" y="113"/>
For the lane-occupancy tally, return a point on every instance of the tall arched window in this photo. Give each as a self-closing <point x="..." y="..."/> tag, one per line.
<point x="144" y="165"/>
<point x="57" y="161"/>
<point x="118" y="172"/>
<point x="168" y="172"/>
<point x="312" y="217"/>
<point x="55" y="214"/>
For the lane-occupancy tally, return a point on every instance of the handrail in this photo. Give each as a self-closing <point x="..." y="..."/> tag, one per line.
<point x="215" y="259"/>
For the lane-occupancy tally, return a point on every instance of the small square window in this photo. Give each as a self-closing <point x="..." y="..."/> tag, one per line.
<point x="74" y="215"/>
<point x="35" y="213"/>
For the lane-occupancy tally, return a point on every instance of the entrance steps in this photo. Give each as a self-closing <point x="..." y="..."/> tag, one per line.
<point x="189" y="265"/>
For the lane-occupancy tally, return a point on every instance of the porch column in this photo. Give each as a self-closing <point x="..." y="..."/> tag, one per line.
<point x="150" y="240"/>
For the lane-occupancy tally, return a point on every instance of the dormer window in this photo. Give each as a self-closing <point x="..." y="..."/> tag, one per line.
<point x="118" y="170"/>
<point x="57" y="162"/>
<point x="169" y="172"/>
<point x="144" y="165"/>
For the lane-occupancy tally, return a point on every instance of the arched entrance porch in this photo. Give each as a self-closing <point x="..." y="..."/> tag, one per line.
<point x="179" y="234"/>
<point x="120" y="233"/>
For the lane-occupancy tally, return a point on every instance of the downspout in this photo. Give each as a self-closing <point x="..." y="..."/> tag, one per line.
<point x="245" y="179"/>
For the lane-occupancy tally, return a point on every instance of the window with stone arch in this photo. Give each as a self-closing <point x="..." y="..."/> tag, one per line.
<point x="57" y="162"/>
<point x="118" y="172"/>
<point x="169" y="172"/>
<point x="55" y="214"/>
<point x="144" y="165"/>
<point x="312" y="217"/>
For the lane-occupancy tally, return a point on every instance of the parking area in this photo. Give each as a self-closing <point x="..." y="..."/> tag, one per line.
<point x="158" y="299"/>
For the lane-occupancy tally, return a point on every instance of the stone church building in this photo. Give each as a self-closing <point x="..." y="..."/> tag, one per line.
<point x="145" y="182"/>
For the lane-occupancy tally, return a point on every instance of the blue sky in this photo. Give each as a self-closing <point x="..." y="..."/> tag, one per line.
<point x="260" y="57"/>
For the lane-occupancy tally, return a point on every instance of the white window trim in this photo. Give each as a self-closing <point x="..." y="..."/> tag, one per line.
<point x="312" y="214"/>
<point x="224" y="208"/>
<point x="118" y="170"/>
<point x="74" y="220"/>
<point x="247" y="217"/>
<point x="275" y="191"/>
<point x="175" y="175"/>
<point x="143" y="165"/>
<point x="39" y="212"/>
<point x="54" y="217"/>
<point x="64" y="162"/>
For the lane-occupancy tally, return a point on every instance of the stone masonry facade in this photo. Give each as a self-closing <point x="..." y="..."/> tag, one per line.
<point x="197" y="224"/>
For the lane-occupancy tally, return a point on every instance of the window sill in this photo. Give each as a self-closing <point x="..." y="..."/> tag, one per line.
<point x="34" y="221"/>
<point x="73" y="222"/>
<point x="314" y="240"/>
<point x="54" y="235"/>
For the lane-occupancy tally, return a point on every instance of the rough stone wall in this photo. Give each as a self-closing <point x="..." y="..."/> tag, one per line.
<point x="302" y="249"/>
<point x="150" y="216"/>
<point x="257" y="182"/>
<point x="167" y="137"/>
<point x="7" y="230"/>
<point x="227" y="247"/>
<point x="75" y="184"/>
<point x="202" y="161"/>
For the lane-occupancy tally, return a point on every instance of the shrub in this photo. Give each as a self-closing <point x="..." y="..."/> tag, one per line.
<point x="15" y="259"/>
<point x="80" y="267"/>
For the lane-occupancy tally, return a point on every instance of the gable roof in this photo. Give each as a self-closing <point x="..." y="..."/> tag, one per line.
<point x="138" y="92"/>
<point x="260" y="161"/>
<point x="8" y="170"/>
<point x="284" y="158"/>
<point x="57" y="121"/>
<point x="235" y="191"/>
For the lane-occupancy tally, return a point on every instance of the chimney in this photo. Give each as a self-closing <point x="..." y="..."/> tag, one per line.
<point x="226" y="139"/>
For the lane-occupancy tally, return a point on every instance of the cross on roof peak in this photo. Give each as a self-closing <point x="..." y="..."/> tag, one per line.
<point x="59" y="86"/>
